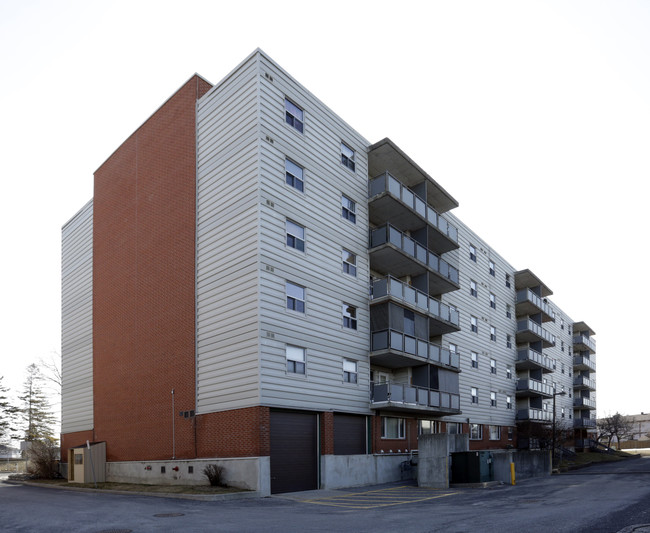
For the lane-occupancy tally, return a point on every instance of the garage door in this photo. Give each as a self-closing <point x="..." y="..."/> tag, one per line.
<point x="349" y="434"/>
<point x="294" y="451"/>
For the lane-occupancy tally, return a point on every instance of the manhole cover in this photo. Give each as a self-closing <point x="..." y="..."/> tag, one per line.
<point x="167" y="515"/>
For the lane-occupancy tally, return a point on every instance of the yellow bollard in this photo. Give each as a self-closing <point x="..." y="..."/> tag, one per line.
<point x="512" y="473"/>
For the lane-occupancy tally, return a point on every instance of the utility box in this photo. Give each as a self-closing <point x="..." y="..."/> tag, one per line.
<point x="471" y="467"/>
<point x="87" y="463"/>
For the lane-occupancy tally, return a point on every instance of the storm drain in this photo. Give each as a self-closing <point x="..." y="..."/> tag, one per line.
<point x="168" y="515"/>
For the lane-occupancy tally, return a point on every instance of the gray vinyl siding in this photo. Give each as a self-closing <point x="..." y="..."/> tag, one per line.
<point x="319" y="269"/>
<point x="227" y="333"/>
<point x="77" y="322"/>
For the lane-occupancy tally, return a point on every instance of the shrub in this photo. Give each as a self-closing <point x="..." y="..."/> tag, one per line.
<point x="42" y="459"/>
<point x="214" y="473"/>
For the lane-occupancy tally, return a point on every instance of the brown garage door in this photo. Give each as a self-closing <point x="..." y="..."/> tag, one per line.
<point x="349" y="434"/>
<point x="294" y="451"/>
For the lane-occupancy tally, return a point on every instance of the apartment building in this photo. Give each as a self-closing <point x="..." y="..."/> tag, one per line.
<point x="255" y="284"/>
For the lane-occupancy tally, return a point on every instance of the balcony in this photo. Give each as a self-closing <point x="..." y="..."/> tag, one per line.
<point x="528" y="303"/>
<point x="442" y="318"/>
<point x="529" y="331"/>
<point x="534" y="415"/>
<point x="582" y="382"/>
<point x="528" y="359"/>
<point x="532" y="387"/>
<point x="582" y="363"/>
<point x="391" y="201"/>
<point x="584" y="403"/>
<point x="584" y="423"/>
<point x="394" y="349"/>
<point x="406" y="398"/>
<point x="393" y="252"/>
<point x="581" y="343"/>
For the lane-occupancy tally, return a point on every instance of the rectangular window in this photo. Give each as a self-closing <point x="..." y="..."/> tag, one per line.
<point x="495" y="432"/>
<point x="409" y="322"/>
<point x="472" y="253"/>
<point x="562" y="345"/>
<point x="508" y="311"/>
<point x="294" y="175"/>
<point x="295" y="359"/>
<point x="475" y="432"/>
<point x="293" y="115"/>
<point x="349" y="316"/>
<point x="474" y="358"/>
<point x="511" y="433"/>
<point x="562" y="412"/>
<point x="561" y="323"/>
<point x="508" y="372"/>
<point x="473" y="321"/>
<point x="347" y="157"/>
<point x="493" y="333"/>
<point x="508" y="280"/>
<point x="295" y="297"/>
<point x="428" y="427"/>
<point x="508" y="341"/>
<point x="473" y="290"/>
<point x="493" y="366"/>
<point x="493" y="399"/>
<point x="78" y="458"/>
<point x="474" y="391"/>
<point x="295" y="236"/>
<point x="348" y="209"/>
<point x="349" y="371"/>
<point x="392" y="428"/>
<point x="349" y="262"/>
<point x="493" y="301"/>
<point x="492" y="268"/>
<point x="454" y="428"/>
<point x="508" y="402"/>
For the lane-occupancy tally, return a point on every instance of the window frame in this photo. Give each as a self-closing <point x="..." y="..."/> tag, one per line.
<point x="474" y="394"/>
<point x="496" y="429"/>
<point x="294" y="118"/>
<point x="493" y="399"/>
<point x="351" y="371"/>
<point x="401" y="428"/>
<point x="493" y="333"/>
<point x="508" y="402"/>
<point x="475" y="431"/>
<point x="295" y="365"/>
<point x="347" y="160"/>
<point x="348" y="209"/>
<point x="349" y="318"/>
<point x="492" y="268"/>
<point x="473" y="288"/>
<point x="294" y="299"/>
<point x="473" y="322"/>
<point x="493" y="300"/>
<point x="349" y="268"/>
<point x="292" y="240"/>
<point x="472" y="252"/>
<point x="473" y="357"/>
<point x="493" y="366"/>
<point x="294" y="178"/>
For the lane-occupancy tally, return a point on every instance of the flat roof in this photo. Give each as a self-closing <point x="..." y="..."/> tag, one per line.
<point x="526" y="278"/>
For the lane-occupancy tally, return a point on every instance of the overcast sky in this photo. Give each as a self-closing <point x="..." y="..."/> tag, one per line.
<point x="534" y="115"/>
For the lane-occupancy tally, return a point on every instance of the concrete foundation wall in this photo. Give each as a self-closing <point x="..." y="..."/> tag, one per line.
<point x="528" y="463"/>
<point x="338" y="471"/>
<point x="250" y="473"/>
<point x="433" y="458"/>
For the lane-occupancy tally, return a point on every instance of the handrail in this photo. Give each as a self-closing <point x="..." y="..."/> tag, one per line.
<point x="390" y="339"/>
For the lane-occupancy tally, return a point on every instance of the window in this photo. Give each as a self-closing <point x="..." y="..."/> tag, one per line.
<point x="561" y="323"/>
<point x="474" y="358"/>
<point x="347" y="157"/>
<point x="473" y="324"/>
<point x="295" y="297"/>
<point x="493" y="301"/>
<point x="545" y="407"/>
<point x="508" y="311"/>
<point x="78" y="458"/>
<point x="508" y="372"/>
<point x="493" y="366"/>
<point x="475" y="432"/>
<point x="473" y="289"/>
<point x="295" y="236"/>
<point x="392" y="428"/>
<point x="350" y="371"/>
<point x="562" y="412"/>
<point x="293" y="115"/>
<point x="428" y="427"/>
<point x="409" y="322"/>
<point x="508" y="402"/>
<point x="348" y="209"/>
<point x="472" y="253"/>
<point x="349" y="262"/>
<point x="495" y="432"/>
<point x="508" y="280"/>
<point x="562" y="368"/>
<point x="493" y="333"/>
<point x="453" y="348"/>
<point x="562" y="345"/>
<point x="294" y="174"/>
<point x="349" y="316"/>
<point x="492" y="268"/>
<point x="511" y="433"/>
<point x="493" y="399"/>
<point x="474" y="395"/>
<point x="454" y="428"/>
<point x="295" y="359"/>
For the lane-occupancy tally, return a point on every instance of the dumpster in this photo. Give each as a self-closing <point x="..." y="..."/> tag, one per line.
<point x="471" y="467"/>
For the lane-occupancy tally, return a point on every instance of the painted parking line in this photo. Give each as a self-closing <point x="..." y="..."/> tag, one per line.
<point x="382" y="497"/>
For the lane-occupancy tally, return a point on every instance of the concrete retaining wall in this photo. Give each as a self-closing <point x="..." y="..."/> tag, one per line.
<point x="528" y="463"/>
<point x="433" y="458"/>
<point x="338" y="471"/>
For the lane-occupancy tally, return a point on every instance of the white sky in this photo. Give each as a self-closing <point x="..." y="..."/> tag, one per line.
<point x="534" y="115"/>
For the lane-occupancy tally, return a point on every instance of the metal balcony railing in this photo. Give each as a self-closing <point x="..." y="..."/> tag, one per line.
<point x="389" y="339"/>
<point x="582" y="362"/>
<point x="528" y="355"/>
<point x="584" y="402"/>
<point x="584" y="423"/>
<point x="538" y="415"/>
<point x="527" y="324"/>
<point x="586" y="341"/>
<point x="582" y="381"/>
<point x="526" y="295"/>
<point x="533" y="385"/>
<point x="402" y="395"/>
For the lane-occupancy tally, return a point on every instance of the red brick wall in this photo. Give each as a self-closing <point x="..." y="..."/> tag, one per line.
<point x="487" y="444"/>
<point x="410" y="442"/>
<point x="69" y="440"/>
<point x="143" y="285"/>
<point x="327" y="433"/>
<point x="234" y="433"/>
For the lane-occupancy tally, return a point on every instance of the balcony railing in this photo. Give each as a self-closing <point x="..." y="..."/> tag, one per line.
<point x="409" y="397"/>
<point x="390" y="286"/>
<point x="388" y="234"/>
<point x="526" y="325"/>
<point x="526" y="295"/>
<point x="584" y="402"/>
<point x="590" y="343"/>
<point x="534" y="386"/>
<point x="582" y="363"/>
<point x="530" y="358"/>
<point x="583" y="382"/>
<point x="387" y="183"/>
<point x="535" y="415"/>
<point x="396" y="341"/>
<point x="587" y="423"/>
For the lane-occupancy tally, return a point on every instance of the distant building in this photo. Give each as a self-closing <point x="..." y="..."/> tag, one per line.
<point x="7" y="452"/>
<point x="256" y="284"/>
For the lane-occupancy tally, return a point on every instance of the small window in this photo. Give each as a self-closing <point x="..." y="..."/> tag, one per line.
<point x="347" y="157"/>
<point x="453" y="348"/>
<point x="545" y="407"/>
<point x="392" y="428"/>
<point x="295" y="359"/>
<point x="78" y="458"/>
<point x="295" y="236"/>
<point x="350" y="371"/>
<point x="295" y="297"/>
<point x="495" y="432"/>
<point x="474" y="359"/>
<point x="562" y="345"/>
<point x="561" y="323"/>
<point x="508" y="280"/>
<point x="563" y="412"/>
<point x="492" y="268"/>
<point x="508" y="341"/>
<point x="473" y="321"/>
<point x="508" y="311"/>
<point x="349" y="316"/>
<point x="493" y="366"/>
<point x="454" y="428"/>
<point x="493" y="399"/>
<point x="493" y="301"/>
<point x="475" y="432"/>
<point x="473" y="290"/>
<point x="293" y="115"/>
<point x="493" y="333"/>
<point x="348" y="209"/>
<point x="428" y="427"/>
<point x="474" y="391"/>
<point x="293" y="175"/>
<point x="511" y="433"/>
<point x="508" y="372"/>
<point x="508" y="402"/>
<point x="472" y="253"/>
<point x="349" y="262"/>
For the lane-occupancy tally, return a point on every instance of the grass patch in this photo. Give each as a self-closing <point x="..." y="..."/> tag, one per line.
<point x="136" y="487"/>
<point x="595" y="457"/>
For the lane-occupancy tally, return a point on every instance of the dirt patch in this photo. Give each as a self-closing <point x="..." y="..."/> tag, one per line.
<point x="134" y="487"/>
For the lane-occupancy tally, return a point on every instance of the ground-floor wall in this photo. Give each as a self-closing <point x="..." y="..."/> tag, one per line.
<point x="340" y="471"/>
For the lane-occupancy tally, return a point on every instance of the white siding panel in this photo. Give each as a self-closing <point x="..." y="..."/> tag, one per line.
<point x="76" y="322"/>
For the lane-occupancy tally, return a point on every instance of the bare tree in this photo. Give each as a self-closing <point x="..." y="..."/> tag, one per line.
<point x="616" y="425"/>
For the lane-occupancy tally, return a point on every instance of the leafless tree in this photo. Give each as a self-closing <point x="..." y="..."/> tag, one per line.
<point x="616" y="425"/>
